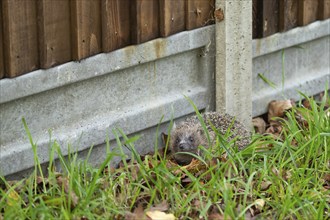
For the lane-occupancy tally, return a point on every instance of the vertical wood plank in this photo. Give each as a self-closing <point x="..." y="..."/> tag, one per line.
<point x="144" y="20"/>
<point x="172" y="17"/>
<point x="86" y="28"/>
<point x="20" y="36"/>
<point x="307" y="11"/>
<point x="256" y="11"/>
<point x="115" y="24"/>
<point x="2" y="69"/>
<point x="54" y="32"/>
<point x="324" y="9"/>
<point x="199" y="13"/>
<point x="270" y="15"/>
<point x="288" y="14"/>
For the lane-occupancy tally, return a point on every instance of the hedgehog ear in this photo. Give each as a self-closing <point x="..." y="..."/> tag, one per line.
<point x="174" y="126"/>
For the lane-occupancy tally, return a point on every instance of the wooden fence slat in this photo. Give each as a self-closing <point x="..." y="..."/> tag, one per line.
<point x="307" y="11"/>
<point x="86" y="28"/>
<point x="115" y="24"/>
<point x="20" y="36"/>
<point x="2" y="69"/>
<point x="270" y="15"/>
<point x="288" y="17"/>
<point x="172" y="17"/>
<point x="256" y="19"/>
<point x="324" y="9"/>
<point x="144" y="20"/>
<point x="54" y="32"/>
<point x="199" y="13"/>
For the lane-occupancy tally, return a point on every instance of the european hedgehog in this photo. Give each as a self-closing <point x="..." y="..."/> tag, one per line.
<point x="188" y="135"/>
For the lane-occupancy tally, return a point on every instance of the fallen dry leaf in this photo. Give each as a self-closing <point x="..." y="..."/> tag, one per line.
<point x="259" y="204"/>
<point x="160" y="207"/>
<point x="287" y="175"/>
<point x="137" y="214"/>
<point x="278" y="108"/>
<point x="218" y="14"/>
<point x="259" y="125"/>
<point x="306" y="103"/>
<point x="65" y="183"/>
<point x="275" y="171"/>
<point x="265" y="185"/>
<point x="327" y="177"/>
<point x="275" y="128"/>
<point x="195" y="166"/>
<point x="217" y="216"/>
<point x="158" y="215"/>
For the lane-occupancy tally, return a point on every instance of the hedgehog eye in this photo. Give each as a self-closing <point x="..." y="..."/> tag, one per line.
<point x="191" y="139"/>
<point x="177" y="140"/>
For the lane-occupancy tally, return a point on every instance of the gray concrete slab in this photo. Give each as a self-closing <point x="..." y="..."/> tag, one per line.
<point x="132" y="88"/>
<point x="79" y="106"/>
<point x="297" y="60"/>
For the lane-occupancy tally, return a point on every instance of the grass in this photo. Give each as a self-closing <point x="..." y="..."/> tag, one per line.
<point x="270" y="179"/>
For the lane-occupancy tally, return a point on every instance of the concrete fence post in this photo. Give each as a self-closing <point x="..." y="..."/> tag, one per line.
<point x="233" y="72"/>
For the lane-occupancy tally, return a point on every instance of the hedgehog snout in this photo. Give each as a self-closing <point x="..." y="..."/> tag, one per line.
<point x="183" y="146"/>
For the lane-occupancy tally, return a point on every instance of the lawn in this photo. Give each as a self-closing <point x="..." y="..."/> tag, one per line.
<point x="282" y="174"/>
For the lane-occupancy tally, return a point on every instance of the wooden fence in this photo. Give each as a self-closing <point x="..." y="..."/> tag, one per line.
<point x="43" y="33"/>
<point x="38" y="34"/>
<point x="271" y="16"/>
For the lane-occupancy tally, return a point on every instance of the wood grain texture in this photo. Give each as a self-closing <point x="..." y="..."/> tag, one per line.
<point x="144" y="20"/>
<point x="256" y="18"/>
<point x="86" y="28"/>
<point x="324" y="9"/>
<point x="288" y="14"/>
<point x="307" y="11"/>
<point x="270" y="15"/>
<point x="54" y="32"/>
<point x="172" y="17"/>
<point x="199" y="13"/>
<point x="20" y="36"/>
<point x="115" y="24"/>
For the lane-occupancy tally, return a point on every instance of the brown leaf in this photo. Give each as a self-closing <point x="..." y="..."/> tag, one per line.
<point x="39" y="180"/>
<point x="195" y="166"/>
<point x="287" y="175"/>
<point x="259" y="203"/>
<point x="275" y="171"/>
<point x="218" y="14"/>
<point x="137" y="214"/>
<point x="186" y="180"/>
<point x="259" y="125"/>
<point x="278" y="108"/>
<point x="160" y="207"/>
<point x="306" y="104"/>
<point x="217" y="216"/>
<point x="275" y="129"/>
<point x="258" y="206"/>
<point x="327" y="177"/>
<point x="65" y="183"/>
<point x="265" y="185"/>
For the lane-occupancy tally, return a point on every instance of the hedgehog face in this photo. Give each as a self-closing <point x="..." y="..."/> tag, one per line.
<point x="185" y="142"/>
<point x="185" y="139"/>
